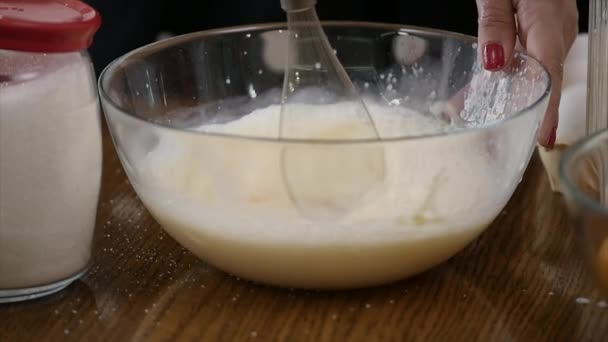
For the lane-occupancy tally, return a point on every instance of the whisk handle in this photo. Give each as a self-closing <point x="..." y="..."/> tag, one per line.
<point x="297" y="5"/>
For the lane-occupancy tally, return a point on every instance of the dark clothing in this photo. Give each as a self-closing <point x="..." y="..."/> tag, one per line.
<point x="129" y="24"/>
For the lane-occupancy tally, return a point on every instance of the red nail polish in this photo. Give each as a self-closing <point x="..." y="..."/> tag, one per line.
<point x="493" y="56"/>
<point x="552" y="138"/>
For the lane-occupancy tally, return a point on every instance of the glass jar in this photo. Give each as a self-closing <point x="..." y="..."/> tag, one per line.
<point x="50" y="145"/>
<point x="584" y="171"/>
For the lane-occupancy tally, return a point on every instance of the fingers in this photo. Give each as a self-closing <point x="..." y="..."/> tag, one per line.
<point x="497" y="32"/>
<point x="546" y="28"/>
<point x="546" y="44"/>
<point x="541" y="30"/>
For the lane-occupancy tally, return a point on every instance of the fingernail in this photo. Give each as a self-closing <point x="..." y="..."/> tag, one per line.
<point x="493" y="56"/>
<point x="552" y="138"/>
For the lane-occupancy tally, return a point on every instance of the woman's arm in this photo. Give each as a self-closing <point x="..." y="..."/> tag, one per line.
<point x="545" y="28"/>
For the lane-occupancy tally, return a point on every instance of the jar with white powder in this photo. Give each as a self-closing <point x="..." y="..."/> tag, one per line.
<point x="50" y="145"/>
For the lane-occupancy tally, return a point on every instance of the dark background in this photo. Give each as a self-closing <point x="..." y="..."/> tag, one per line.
<point x="129" y="24"/>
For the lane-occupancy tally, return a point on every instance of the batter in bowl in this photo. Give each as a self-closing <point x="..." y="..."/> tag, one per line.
<point x="223" y="198"/>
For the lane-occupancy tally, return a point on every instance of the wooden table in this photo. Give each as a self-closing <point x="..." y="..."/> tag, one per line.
<point x="523" y="280"/>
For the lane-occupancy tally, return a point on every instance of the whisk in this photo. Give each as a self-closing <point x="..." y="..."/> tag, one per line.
<point x="323" y="180"/>
<point x="312" y="63"/>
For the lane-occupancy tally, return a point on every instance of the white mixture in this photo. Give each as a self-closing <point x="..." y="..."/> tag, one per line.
<point x="50" y="168"/>
<point x="225" y="200"/>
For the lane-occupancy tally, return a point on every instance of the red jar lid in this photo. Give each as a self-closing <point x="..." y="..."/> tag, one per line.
<point x="47" y="25"/>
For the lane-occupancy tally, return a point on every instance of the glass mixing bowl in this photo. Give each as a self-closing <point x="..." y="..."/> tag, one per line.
<point x="581" y="171"/>
<point x="409" y="201"/>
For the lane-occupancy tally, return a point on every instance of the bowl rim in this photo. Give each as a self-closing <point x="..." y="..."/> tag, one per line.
<point x="571" y="155"/>
<point x="408" y="29"/>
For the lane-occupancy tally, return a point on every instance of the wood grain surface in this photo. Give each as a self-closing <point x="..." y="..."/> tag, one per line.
<point x="522" y="280"/>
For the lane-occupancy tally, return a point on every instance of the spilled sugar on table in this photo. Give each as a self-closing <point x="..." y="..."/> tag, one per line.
<point x="522" y="280"/>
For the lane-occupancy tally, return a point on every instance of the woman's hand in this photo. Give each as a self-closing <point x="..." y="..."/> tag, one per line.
<point x="545" y="28"/>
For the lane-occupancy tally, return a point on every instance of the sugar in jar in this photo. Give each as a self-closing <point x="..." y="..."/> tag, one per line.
<point x="50" y="145"/>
